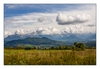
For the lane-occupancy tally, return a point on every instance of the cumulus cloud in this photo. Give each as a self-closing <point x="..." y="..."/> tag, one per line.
<point x="39" y="31"/>
<point x="65" y="20"/>
<point x="48" y="30"/>
<point x="32" y="20"/>
<point x="74" y="29"/>
<point x="19" y="31"/>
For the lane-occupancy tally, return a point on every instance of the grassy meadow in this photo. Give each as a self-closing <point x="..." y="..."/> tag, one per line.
<point x="49" y="57"/>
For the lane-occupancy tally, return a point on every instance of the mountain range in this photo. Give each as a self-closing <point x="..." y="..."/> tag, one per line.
<point x="58" y="37"/>
<point x="35" y="41"/>
<point x="48" y="40"/>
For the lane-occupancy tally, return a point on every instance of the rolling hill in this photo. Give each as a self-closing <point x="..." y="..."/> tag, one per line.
<point x="34" y="41"/>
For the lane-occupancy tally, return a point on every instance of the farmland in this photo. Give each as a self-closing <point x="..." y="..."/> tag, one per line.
<point x="49" y="57"/>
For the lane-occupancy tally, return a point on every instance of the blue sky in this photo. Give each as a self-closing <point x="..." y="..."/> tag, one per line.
<point x="17" y="9"/>
<point x="73" y="18"/>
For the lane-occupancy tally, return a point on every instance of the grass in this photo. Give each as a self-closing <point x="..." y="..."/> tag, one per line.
<point x="49" y="57"/>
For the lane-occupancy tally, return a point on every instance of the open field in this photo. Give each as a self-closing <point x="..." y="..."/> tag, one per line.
<point x="49" y="57"/>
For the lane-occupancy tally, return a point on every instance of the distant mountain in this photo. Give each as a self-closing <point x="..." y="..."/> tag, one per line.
<point x="92" y="37"/>
<point x="35" y="41"/>
<point x="72" y="38"/>
<point x="91" y="43"/>
<point x="64" y="36"/>
<point x="16" y="37"/>
<point x="13" y="37"/>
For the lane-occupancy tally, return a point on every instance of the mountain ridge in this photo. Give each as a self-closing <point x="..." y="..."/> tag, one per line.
<point x="34" y="41"/>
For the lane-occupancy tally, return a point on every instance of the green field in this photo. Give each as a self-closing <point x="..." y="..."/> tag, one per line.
<point x="49" y="57"/>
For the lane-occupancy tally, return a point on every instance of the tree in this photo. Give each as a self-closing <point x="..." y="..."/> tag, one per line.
<point x="38" y="48"/>
<point x="34" y="47"/>
<point x="67" y="47"/>
<point x="78" y="46"/>
<point x="46" y="49"/>
<point x="28" y="47"/>
<point x="61" y="47"/>
<point x="73" y="48"/>
<point x="75" y="43"/>
<point x="52" y="47"/>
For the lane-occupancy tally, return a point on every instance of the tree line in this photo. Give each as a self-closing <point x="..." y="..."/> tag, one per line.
<point x="76" y="46"/>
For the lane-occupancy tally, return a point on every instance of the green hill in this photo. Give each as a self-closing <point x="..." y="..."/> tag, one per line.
<point x="34" y="41"/>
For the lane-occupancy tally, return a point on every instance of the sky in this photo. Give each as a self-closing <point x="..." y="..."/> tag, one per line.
<point x="50" y="18"/>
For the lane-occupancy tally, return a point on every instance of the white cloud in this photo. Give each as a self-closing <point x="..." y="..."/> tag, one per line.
<point x="30" y="21"/>
<point x="73" y="30"/>
<point x="30" y="18"/>
<point x="62" y="19"/>
<point x="48" y="30"/>
<point x="6" y="33"/>
<point x="19" y="31"/>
